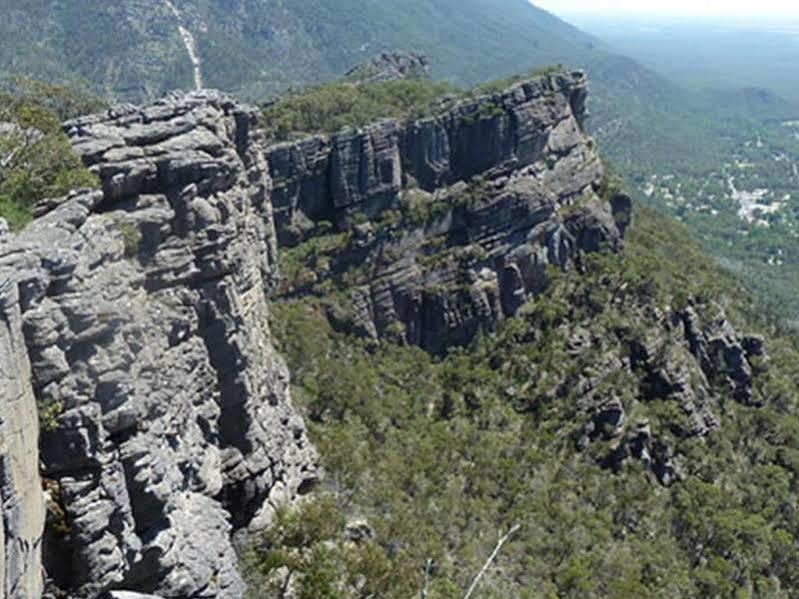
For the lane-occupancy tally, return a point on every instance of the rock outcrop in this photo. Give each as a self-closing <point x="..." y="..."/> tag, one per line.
<point x="454" y="219"/>
<point x="390" y="65"/>
<point x="21" y="500"/>
<point x="688" y="362"/>
<point x="432" y="231"/>
<point x="142" y="311"/>
<point x="535" y="122"/>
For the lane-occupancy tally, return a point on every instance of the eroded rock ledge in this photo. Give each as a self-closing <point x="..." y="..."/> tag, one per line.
<point x="452" y="221"/>
<point x="143" y="313"/>
<point x="538" y="121"/>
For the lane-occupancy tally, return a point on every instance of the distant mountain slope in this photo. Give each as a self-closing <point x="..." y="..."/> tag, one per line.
<point x="256" y="48"/>
<point x="123" y="49"/>
<point x="133" y="50"/>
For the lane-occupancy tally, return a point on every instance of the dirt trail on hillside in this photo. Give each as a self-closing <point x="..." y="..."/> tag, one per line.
<point x="191" y="45"/>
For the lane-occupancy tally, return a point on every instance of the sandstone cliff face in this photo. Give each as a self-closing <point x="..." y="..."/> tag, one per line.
<point x="21" y="499"/>
<point x="446" y="226"/>
<point x="538" y="121"/>
<point x="142" y="310"/>
<point x="136" y="316"/>
<point x="457" y="216"/>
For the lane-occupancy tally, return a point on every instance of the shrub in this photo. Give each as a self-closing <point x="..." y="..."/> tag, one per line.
<point x="36" y="159"/>
<point x="131" y="239"/>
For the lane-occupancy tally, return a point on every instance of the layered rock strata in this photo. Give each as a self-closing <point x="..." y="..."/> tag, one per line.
<point x="432" y="231"/>
<point x="21" y="500"/>
<point x="539" y="121"/>
<point x="452" y="220"/>
<point x="142" y="310"/>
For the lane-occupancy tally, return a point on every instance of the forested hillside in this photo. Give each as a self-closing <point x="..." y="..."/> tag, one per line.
<point x="440" y="457"/>
<point x="133" y="50"/>
<point x="729" y="167"/>
<point x="631" y="425"/>
<point x="494" y="347"/>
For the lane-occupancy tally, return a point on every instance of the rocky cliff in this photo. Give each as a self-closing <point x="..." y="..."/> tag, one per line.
<point x="450" y="221"/>
<point x="135" y="319"/>
<point x="21" y="500"/>
<point x="432" y="231"/>
<point x="616" y="415"/>
<point x="140" y="313"/>
<point x="390" y="65"/>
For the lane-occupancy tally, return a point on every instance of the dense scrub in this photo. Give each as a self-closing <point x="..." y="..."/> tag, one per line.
<point x="36" y="159"/>
<point x="328" y="107"/>
<point x="439" y="455"/>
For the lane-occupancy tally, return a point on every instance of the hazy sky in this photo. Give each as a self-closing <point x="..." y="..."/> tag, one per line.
<point x="674" y="7"/>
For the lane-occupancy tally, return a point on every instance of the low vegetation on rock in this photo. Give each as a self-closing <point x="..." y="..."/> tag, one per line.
<point x="328" y="107"/>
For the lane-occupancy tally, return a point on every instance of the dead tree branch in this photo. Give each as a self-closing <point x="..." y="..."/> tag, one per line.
<point x="427" y="567"/>
<point x="502" y="540"/>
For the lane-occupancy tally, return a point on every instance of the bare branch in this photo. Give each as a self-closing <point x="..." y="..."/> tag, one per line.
<point x="428" y="566"/>
<point x="5" y="162"/>
<point x="502" y="540"/>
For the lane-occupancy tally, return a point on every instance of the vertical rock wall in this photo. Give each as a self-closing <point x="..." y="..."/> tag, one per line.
<point x="363" y="169"/>
<point x="469" y="208"/>
<point x="143" y="311"/>
<point x="21" y="498"/>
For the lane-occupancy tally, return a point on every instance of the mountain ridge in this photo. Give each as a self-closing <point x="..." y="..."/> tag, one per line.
<point x="297" y="43"/>
<point x="458" y="313"/>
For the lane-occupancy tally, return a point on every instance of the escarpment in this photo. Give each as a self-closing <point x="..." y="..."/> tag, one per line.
<point x="135" y="319"/>
<point x="538" y="121"/>
<point x="449" y="222"/>
<point x="141" y="309"/>
<point x="432" y="231"/>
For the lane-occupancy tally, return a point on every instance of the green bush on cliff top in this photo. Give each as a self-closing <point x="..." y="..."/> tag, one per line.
<point x="328" y="107"/>
<point x="36" y="159"/>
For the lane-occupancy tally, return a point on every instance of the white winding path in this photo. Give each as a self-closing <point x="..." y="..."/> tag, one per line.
<point x="191" y="46"/>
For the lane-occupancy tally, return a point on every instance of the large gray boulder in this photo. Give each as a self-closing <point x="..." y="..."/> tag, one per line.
<point x="142" y="309"/>
<point x="388" y="66"/>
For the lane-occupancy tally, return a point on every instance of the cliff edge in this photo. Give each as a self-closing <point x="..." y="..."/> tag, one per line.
<point x="141" y="310"/>
<point x="447" y="224"/>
